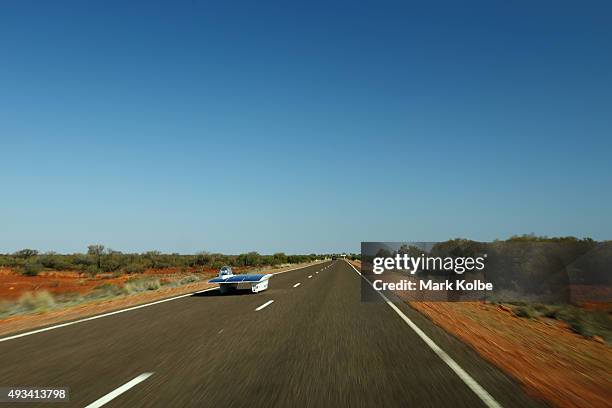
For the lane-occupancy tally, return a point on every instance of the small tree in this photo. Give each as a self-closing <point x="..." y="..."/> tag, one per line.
<point x="97" y="251"/>
<point x="279" y="258"/>
<point x="26" y="253"/>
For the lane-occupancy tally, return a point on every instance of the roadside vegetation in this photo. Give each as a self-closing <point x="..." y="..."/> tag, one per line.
<point x="549" y="324"/>
<point x="593" y="324"/>
<point x="99" y="259"/>
<point x="562" y="279"/>
<point x="64" y="280"/>
<point x="43" y="301"/>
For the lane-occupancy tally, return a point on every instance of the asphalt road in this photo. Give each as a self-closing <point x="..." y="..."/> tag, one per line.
<point x="317" y="344"/>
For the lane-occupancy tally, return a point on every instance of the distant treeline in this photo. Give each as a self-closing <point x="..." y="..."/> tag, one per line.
<point x="100" y="259"/>
<point x="527" y="265"/>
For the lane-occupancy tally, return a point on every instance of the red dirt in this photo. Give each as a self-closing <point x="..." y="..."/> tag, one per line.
<point x="545" y="356"/>
<point x="14" y="284"/>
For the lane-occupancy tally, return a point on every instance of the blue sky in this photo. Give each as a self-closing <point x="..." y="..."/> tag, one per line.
<point x="226" y="126"/>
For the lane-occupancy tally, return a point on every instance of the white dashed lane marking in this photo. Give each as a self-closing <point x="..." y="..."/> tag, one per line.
<point x="114" y="394"/>
<point x="269" y="302"/>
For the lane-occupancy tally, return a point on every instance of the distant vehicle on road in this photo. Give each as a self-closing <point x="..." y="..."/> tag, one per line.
<point x="228" y="282"/>
<point x="334" y="258"/>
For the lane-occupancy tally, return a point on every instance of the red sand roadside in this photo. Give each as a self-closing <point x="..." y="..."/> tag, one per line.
<point x="13" y="284"/>
<point x="31" y="321"/>
<point x="24" y="322"/>
<point x="550" y="361"/>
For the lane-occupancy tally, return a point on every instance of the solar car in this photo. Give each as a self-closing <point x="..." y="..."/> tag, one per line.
<point x="228" y="282"/>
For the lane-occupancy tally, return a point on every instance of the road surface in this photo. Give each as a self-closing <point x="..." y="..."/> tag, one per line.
<point x="306" y="341"/>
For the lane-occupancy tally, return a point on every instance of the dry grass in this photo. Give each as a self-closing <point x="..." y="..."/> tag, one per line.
<point x="35" y="301"/>
<point x="141" y="285"/>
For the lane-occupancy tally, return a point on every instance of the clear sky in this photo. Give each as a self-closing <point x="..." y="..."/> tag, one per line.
<point x="227" y="126"/>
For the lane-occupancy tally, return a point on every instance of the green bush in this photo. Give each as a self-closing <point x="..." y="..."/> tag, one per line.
<point x="92" y="270"/>
<point x="587" y="323"/>
<point x="110" y="264"/>
<point x="10" y="261"/>
<point x="134" y="268"/>
<point x="540" y="308"/>
<point x="524" y="311"/>
<point x="551" y="312"/>
<point x="81" y="260"/>
<point x="56" y="262"/>
<point x="581" y="327"/>
<point x="32" y="268"/>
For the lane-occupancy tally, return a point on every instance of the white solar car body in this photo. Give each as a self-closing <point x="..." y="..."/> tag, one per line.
<point x="229" y="282"/>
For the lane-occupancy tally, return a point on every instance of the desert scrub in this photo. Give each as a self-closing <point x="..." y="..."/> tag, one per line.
<point x="5" y="308"/>
<point x="189" y="279"/>
<point x="106" y="290"/>
<point x="40" y="301"/>
<point x="587" y="323"/>
<point x="92" y="271"/>
<point x="35" y="302"/>
<point x="524" y="311"/>
<point x="141" y="285"/>
<point x="67" y="298"/>
<point x="134" y="268"/>
<point x="32" y="268"/>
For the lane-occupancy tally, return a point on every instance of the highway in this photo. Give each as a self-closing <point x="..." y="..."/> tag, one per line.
<point x="308" y="340"/>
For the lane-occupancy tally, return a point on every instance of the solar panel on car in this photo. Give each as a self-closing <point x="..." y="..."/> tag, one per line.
<point x="245" y="278"/>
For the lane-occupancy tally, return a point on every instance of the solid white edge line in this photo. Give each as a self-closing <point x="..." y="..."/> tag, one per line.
<point x="101" y="316"/>
<point x="269" y="302"/>
<point x="296" y="285"/>
<point x="86" y="319"/>
<point x="115" y="393"/>
<point x="488" y="400"/>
